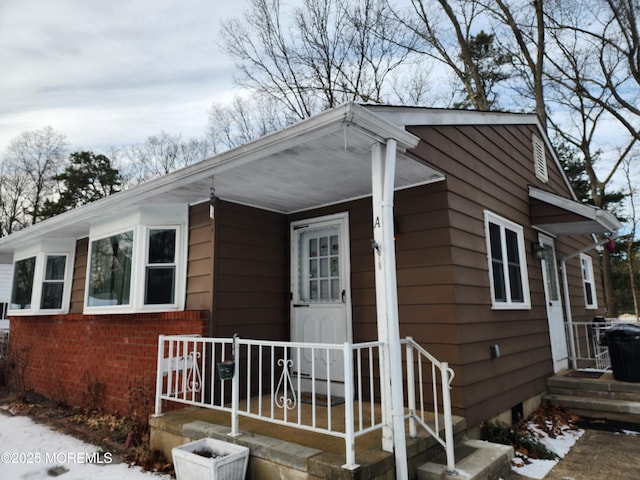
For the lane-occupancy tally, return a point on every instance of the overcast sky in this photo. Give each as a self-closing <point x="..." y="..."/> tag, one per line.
<point x="112" y="72"/>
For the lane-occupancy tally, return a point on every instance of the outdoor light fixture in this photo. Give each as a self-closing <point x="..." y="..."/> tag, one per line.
<point x="538" y="250"/>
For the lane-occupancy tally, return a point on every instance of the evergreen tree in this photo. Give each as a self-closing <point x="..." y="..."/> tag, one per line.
<point x="87" y="178"/>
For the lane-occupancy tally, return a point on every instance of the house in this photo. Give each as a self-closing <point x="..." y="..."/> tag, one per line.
<point x="245" y="242"/>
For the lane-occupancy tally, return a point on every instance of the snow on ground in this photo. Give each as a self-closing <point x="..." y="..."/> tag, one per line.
<point x="561" y="445"/>
<point x="31" y="451"/>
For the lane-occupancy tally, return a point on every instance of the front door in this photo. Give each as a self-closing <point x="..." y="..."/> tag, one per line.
<point x="320" y="300"/>
<point x="555" y="315"/>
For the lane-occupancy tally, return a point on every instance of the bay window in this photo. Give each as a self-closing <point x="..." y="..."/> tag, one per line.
<point x="141" y="268"/>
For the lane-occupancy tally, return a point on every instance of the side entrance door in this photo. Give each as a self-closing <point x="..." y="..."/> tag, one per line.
<point x="320" y="296"/>
<point x="555" y="315"/>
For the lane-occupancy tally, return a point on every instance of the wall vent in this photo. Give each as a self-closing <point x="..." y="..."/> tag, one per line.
<point x="539" y="159"/>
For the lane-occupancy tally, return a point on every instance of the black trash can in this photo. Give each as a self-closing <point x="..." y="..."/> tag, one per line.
<point x="623" y="341"/>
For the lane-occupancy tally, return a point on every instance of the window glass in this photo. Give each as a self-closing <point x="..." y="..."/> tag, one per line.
<point x="160" y="281"/>
<point x="500" y="292"/>
<point x="110" y="270"/>
<point x="53" y="285"/>
<point x="23" y="284"/>
<point x="586" y="263"/>
<point x="507" y="268"/>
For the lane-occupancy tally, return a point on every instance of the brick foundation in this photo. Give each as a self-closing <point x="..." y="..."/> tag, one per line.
<point x="103" y="361"/>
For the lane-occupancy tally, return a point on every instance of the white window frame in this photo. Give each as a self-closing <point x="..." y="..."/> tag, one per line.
<point x="178" y="290"/>
<point x="61" y="248"/>
<point x="588" y="278"/>
<point x="503" y="223"/>
<point x="142" y="223"/>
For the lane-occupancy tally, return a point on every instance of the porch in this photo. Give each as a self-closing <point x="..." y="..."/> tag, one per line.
<point x="328" y="422"/>
<point x="278" y="451"/>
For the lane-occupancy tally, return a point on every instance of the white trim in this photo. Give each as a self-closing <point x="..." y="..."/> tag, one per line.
<point x="605" y="219"/>
<point x="341" y="219"/>
<point x="140" y="222"/>
<point x="42" y="250"/>
<point x="503" y="223"/>
<point x="590" y="279"/>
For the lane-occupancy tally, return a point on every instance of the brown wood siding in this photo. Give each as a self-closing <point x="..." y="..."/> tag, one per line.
<point x="79" y="276"/>
<point x="486" y="168"/>
<point x="251" y="273"/>
<point x="199" y="289"/>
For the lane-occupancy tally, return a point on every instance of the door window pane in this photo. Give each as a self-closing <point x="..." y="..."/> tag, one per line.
<point x="319" y="265"/>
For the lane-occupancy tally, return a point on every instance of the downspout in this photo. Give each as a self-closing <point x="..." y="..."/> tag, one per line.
<point x="383" y="178"/>
<point x="565" y="287"/>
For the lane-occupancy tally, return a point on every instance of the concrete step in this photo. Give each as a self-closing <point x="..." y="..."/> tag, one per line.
<point x="604" y="388"/>
<point x="614" y="409"/>
<point x="475" y="460"/>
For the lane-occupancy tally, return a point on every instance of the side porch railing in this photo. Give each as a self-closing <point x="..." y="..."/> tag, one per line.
<point x="333" y="389"/>
<point x="586" y="347"/>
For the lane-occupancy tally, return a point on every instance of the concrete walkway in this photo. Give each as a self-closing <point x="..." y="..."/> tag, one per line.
<point x="598" y="455"/>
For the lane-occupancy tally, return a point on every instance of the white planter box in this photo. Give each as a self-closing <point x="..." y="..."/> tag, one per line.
<point x="229" y="461"/>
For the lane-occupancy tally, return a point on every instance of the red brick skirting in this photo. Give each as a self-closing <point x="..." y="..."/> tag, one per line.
<point x="103" y="361"/>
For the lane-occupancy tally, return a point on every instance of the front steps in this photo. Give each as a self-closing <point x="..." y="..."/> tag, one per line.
<point x="282" y="452"/>
<point x="475" y="459"/>
<point x="602" y="397"/>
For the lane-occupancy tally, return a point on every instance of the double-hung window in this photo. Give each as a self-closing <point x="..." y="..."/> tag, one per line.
<point x="586" y="265"/>
<point x="53" y="282"/>
<point x="160" y="266"/>
<point x="507" y="263"/>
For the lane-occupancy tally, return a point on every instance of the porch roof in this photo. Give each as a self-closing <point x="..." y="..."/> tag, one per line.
<point x="322" y="160"/>
<point x="561" y="216"/>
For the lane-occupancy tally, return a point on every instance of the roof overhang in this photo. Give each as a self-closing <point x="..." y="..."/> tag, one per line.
<point x="323" y="160"/>
<point x="561" y="216"/>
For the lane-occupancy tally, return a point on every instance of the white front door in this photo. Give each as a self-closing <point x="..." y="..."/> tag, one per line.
<point x="320" y="300"/>
<point x="555" y="315"/>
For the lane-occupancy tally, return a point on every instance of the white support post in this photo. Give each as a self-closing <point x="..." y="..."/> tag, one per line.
<point x="383" y="179"/>
<point x="349" y="428"/>
<point x="159" y="376"/>
<point x="235" y="392"/>
<point x="381" y="300"/>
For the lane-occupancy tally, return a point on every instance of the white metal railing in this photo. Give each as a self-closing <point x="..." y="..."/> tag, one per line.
<point x="585" y="345"/>
<point x="424" y="371"/>
<point x="303" y="385"/>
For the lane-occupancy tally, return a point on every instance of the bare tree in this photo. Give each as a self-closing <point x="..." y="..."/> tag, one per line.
<point x="331" y="52"/>
<point x="13" y="194"/>
<point x="444" y="32"/>
<point x="591" y="87"/>
<point x="160" y="154"/>
<point x="246" y="119"/>
<point x="633" y="222"/>
<point x="38" y="155"/>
